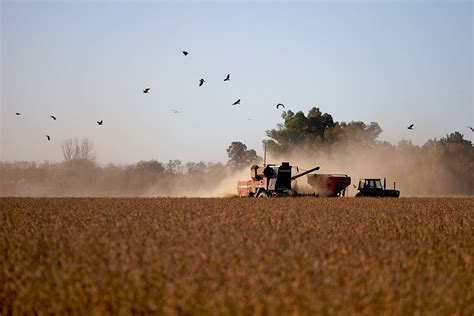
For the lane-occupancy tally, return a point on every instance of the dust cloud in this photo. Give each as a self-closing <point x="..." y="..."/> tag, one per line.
<point x="222" y="184"/>
<point x="422" y="174"/>
<point x="416" y="171"/>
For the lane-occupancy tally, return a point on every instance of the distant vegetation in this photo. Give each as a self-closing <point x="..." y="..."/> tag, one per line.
<point x="449" y="161"/>
<point x="83" y="177"/>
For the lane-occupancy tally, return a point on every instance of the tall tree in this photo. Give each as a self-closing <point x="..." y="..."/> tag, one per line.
<point x="240" y="156"/>
<point x="75" y="150"/>
<point x="174" y="166"/>
<point x="298" y="130"/>
<point x="355" y="132"/>
<point x="317" y="129"/>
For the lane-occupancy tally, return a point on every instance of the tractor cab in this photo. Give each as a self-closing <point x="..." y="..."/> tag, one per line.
<point x="373" y="187"/>
<point x="370" y="184"/>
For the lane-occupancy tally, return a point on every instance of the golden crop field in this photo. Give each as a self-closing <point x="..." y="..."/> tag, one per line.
<point x="237" y="256"/>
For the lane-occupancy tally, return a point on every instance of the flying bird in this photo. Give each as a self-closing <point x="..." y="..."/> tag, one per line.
<point x="100" y="122"/>
<point x="279" y="104"/>
<point x="201" y="82"/>
<point x="146" y="90"/>
<point x="227" y="78"/>
<point x="236" y="102"/>
<point x="355" y="186"/>
<point x="49" y="138"/>
<point x="175" y="111"/>
<point x="53" y="117"/>
<point x="18" y="114"/>
<point x="472" y="129"/>
<point x="411" y="126"/>
<point x="185" y="53"/>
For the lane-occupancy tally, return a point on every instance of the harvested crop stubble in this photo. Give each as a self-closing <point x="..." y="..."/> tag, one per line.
<point x="237" y="256"/>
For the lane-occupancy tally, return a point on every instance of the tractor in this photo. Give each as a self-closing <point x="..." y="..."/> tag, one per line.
<point x="374" y="188"/>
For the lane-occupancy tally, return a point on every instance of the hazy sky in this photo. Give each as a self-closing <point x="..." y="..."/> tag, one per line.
<point x="392" y="63"/>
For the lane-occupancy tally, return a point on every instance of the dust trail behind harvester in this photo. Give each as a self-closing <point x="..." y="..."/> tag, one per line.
<point x="425" y="175"/>
<point x="222" y="184"/>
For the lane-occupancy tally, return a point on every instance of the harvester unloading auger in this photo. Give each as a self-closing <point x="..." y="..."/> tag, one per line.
<point x="271" y="180"/>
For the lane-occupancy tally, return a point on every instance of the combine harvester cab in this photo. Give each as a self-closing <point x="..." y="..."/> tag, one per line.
<point x="277" y="181"/>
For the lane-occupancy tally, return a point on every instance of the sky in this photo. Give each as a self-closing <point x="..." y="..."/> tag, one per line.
<point x="394" y="63"/>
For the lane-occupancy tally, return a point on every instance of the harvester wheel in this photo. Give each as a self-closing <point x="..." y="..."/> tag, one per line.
<point x="262" y="195"/>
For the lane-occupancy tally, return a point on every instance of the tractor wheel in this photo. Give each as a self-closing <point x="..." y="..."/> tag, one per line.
<point x="262" y="195"/>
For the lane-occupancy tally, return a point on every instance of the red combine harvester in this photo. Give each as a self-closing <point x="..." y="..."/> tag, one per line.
<point x="271" y="180"/>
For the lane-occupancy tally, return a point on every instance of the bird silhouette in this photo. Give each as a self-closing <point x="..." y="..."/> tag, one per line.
<point x="472" y="128"/>
<point x="227" y="78"/>
<point x="355" y="186"/>
<point x="175" y="111"/>
<point x="201" y="82"/>
<point x="53" y="117"/>
<point x="185" y="53"/>
<point x="146" y="90"/>
<point x="279" y="104"/>
<point x="411" y="126"/>
<point x="236" y="102"/>
<point x="17" y="113"/>
<point x="49" y="138"/>
<point x="100" y="122"/>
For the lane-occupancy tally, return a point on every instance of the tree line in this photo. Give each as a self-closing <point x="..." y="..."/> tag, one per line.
<point x="449" y="160"/>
